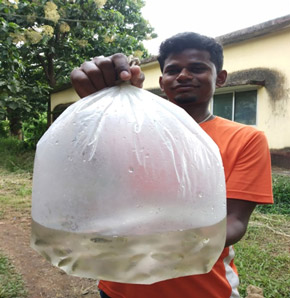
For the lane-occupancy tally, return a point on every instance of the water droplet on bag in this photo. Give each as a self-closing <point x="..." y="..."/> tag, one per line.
<point x="205" y="241"/>
<point x="147" y="155"/>
<point x="200" y="195"/>
<point x="137" y="128"/>
<point x="158" y="210"/>
<point x="131" y="170"/>
<point x="56" y="142"/>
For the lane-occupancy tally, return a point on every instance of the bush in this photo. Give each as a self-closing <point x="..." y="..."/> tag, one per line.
<point x="15" y="156"/>
<point x="281" y="192"/>
<point x="34" y="129"/>
<point x="4" y="128"/>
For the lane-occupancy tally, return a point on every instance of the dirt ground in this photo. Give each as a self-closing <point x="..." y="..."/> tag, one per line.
<point x="41" y="279"/>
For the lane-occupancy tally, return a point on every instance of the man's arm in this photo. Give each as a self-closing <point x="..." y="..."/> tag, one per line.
<point x="102" y="72"/>
<point x="238" y="215"/>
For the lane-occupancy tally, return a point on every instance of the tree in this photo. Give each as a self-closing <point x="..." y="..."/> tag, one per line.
<point x="42" y="41"/>
<point x="15" y="104"/>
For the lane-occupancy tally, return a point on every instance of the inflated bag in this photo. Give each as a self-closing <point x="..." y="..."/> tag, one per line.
<point x="127" y="187"/>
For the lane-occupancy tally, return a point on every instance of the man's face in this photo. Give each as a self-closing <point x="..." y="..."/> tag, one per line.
<point x="189" y="77"/>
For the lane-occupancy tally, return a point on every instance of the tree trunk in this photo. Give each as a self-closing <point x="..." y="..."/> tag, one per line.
<point x="48" y="111"/>
<point x="15" y="124"/>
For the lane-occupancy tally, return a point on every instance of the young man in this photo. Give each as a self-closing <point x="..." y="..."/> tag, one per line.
<point x="191" y="66"/>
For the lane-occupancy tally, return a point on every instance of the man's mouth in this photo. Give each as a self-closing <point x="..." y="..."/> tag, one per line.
<point x="185" y="87"/>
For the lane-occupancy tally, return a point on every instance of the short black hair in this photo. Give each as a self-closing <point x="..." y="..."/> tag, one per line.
<point x="191" y="40"/>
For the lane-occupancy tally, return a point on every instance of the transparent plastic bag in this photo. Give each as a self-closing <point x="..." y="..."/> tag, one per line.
<point x="127" y="187"/>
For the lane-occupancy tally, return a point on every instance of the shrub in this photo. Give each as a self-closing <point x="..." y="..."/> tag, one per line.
<point x="281" y="192"/>
<point x="4" y="128"/>
<point x="34" y="129"/>
<point x="15" y="156"/>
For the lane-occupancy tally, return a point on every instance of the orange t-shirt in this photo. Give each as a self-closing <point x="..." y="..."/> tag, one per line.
<point x="247" y="166"/>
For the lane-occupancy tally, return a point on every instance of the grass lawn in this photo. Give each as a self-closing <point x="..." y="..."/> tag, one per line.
<point x="11" y="284"/>
<point x="262" y="256"/>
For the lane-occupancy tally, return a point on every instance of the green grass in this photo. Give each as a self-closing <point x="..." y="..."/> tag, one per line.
<point x="16" y="164"/>
<point x="281" y="192"/>
<point x="263" y="258"/>
<point x="15" y="157"/>
<point x="15" y="192"/>
<point x="11" y="284"/>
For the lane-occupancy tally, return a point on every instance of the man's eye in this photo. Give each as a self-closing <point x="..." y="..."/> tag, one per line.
<point x="198" y="69"/>
<point x="172" y="71"/>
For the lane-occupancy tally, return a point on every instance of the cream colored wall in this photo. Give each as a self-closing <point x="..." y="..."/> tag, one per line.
<point x="63" y="97"/>
<point x="273" y="52"/>
<point x="152" y="73"/>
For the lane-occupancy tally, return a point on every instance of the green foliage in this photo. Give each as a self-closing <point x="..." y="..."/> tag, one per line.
<point x="41" y="41"/>
<point x="281" y="193"/>
<point x="11" y="284"/>
<point x="4" y="128"/>
<point x="15" y="156"/>
<point x="33" y="130"/>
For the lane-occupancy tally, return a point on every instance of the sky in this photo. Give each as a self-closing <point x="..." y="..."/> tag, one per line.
<point x="208" y="17"/>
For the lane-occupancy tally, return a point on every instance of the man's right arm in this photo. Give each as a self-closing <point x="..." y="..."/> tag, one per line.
<point x="102" y="72"/>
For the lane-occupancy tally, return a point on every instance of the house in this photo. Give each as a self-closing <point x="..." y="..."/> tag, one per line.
<point x="257" y="91"/>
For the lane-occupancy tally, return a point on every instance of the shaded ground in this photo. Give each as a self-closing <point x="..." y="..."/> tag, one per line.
<point x="281" y="171"/>
<point x="41" y="279"/>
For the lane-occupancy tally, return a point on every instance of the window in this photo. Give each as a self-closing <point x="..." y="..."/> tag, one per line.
<point x="237" y="106"/>
<point x="59" y="109"/>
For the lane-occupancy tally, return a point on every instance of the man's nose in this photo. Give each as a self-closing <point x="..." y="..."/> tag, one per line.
<point x="185" y="74"/>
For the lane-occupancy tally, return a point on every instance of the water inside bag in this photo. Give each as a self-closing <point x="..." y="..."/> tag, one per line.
<point x="141" y="259"/>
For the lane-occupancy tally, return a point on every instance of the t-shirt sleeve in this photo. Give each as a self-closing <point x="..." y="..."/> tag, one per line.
<point x="250" y="178"/>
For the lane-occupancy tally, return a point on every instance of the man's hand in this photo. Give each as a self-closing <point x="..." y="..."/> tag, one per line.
<point x="102" y="72"/>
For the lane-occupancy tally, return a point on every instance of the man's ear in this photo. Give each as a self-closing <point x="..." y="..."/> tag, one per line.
<point x="161" y="83"/>
<point x="221" y="78"/>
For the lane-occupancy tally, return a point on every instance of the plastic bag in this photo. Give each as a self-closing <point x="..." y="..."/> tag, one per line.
<point x="127" y="187"/>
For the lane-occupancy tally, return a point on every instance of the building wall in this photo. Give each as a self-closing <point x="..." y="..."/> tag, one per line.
<point x="62" y="97"/>
<point x="273" y="108"/>
<point x="152" y="73"/>
<point x="270" y="51"/>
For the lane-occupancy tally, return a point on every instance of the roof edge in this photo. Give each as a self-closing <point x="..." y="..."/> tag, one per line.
<point x="255" y="31"/>
<point x="246" y="33"/>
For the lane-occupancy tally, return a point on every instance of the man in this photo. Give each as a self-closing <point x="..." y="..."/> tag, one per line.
<point x="191" y="66"/>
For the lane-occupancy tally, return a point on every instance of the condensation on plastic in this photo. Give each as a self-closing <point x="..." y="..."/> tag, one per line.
<point x="124" y="161"/>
